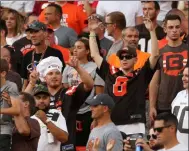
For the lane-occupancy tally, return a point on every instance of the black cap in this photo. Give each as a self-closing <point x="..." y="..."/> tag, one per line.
<point x="40" y="89"/>
<point x="127" y="50"/>
<point x="36" y="25"/>
<point x="101" y="99"/>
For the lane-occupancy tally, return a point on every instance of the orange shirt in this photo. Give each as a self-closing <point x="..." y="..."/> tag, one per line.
<point x="73" y="17"/>
<point x="65" y="52"/>
<point x="114" y="60"/>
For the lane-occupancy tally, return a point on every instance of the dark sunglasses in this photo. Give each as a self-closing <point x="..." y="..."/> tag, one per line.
<point x="160" y="129"/>
<point x="151" y="136"/>
<point x="127" y="57"/>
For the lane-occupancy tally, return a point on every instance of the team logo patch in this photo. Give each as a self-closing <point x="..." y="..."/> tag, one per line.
<point x="174" y="63"/>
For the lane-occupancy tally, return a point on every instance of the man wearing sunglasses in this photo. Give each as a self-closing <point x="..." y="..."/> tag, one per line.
<point x="165" y="127"/>
<point x="125" y="85"/>
<point x="152" y="144"/>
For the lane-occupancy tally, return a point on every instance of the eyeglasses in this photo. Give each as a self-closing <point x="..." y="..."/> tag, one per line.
<point x="151" y="136"/>
<point x="108" y="24"/>
<point x="160" y="129"/>
<point x="127" y="57"/>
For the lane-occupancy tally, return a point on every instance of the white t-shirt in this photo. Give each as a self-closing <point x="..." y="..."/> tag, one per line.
<point x="21" y="6"/>
<point x="178" y="147"/>
<point x="44" y="140"/>
<point x="180" y="109"/>
<point x="165" y="7"/>
<point x="10" y="41"/>
<point x="131" y="9"/>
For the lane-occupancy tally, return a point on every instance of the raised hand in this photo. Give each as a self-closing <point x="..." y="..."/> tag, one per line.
<point x="110" y="145"/>
<point x="96" y="144"/>
<point x="148" y="23"/>
<point x="5" y="96"/>
<point x="34" y="76"/>
<point x="73" y="62"/>
<point x="41" y="115"/>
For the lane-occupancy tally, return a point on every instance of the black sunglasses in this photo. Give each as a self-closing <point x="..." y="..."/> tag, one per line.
<point x="160" y="129"/>
<point x="151" y="136"/>
<point x="127" y="57"/>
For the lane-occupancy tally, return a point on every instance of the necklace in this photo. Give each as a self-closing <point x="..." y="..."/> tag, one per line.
<point x="33" y="62"/>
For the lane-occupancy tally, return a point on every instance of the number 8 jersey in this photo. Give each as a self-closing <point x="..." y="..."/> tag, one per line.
<point x="181" y="110"/>
<point x="128" y="92"/>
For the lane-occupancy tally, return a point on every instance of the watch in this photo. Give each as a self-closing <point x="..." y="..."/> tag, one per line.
<point x="47" y="121"/>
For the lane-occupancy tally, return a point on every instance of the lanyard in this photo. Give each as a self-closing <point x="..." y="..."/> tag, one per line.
<point x="33" y="64"/>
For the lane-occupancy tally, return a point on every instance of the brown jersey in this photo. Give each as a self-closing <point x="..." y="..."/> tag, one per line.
<point x="171" y="65"/>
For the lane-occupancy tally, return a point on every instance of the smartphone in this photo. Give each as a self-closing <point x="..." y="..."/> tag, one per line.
<point x="133" y="138"/>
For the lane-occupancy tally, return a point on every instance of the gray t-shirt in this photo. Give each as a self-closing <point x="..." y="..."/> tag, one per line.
<point x="115" y="47"/>
<point x="105" y="134"/>
<point x="66" y="37"/>
<point x="71" y="77"/>
<point x="6" y="120"/>
<point x="105" y="45"/>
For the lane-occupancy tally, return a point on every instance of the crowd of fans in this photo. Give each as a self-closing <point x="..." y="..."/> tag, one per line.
<point x="94" y="76"/>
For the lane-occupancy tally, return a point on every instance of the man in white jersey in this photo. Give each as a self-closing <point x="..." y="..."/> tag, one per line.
<point x="180" y="109"/>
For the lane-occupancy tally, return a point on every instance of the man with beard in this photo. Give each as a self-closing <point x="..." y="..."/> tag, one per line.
<point x="152" y="142"/>
<point x="52" y="122"/>
<point x="167" y="82"/>
<point x="68" y="100"/>
<point x="150" y="9"/>
<point x="38" y="33"/>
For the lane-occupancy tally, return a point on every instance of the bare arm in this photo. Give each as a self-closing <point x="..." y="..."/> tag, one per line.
<point x="153" y="92"/>
<point x="59" y="134"/>
<point x="154" y="50"/>
<point x="94" y="49"/>
<point x="24" y="84"/>
<point x="14" y="109"/>
<point x="85" y="78"/>
<point x="33" y="78"/>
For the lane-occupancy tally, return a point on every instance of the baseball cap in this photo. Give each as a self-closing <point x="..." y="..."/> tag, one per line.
<point x="50" y="28"/>
<point x="36" y="25"/>
<point x="40" y="89"/>
<point x="101" y="99"/>
<point x="95" y="16"/>
<point x="127" y="50"/>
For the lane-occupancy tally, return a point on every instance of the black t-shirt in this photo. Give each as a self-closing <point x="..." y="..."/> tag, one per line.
<point x="27" y="59"/>
<point x="19" y="46"/>
<point x="69" y="103"/>
<point x="128" y="92"/>
<point x="171" y="65"/>
<point x="144" y="36"/>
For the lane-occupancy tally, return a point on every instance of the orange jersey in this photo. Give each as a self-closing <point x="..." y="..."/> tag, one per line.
<point x="73" y="17"/>
<point x="114" y="60"/>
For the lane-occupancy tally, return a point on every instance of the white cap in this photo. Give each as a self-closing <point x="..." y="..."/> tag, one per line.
<point x="47" y="65"/>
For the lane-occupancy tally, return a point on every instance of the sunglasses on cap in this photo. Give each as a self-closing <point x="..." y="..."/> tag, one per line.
<point x="151" y="136"/>
<point x="160" y="129"/>
<point x="127" y="57"/>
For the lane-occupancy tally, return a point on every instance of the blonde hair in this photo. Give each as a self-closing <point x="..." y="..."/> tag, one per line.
<point x="20" y="20"/>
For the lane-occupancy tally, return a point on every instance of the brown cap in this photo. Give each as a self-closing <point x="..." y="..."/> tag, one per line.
<point x="127" y="50"/>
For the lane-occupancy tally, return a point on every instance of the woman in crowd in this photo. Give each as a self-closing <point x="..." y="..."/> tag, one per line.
<point x="15" y="25"/>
